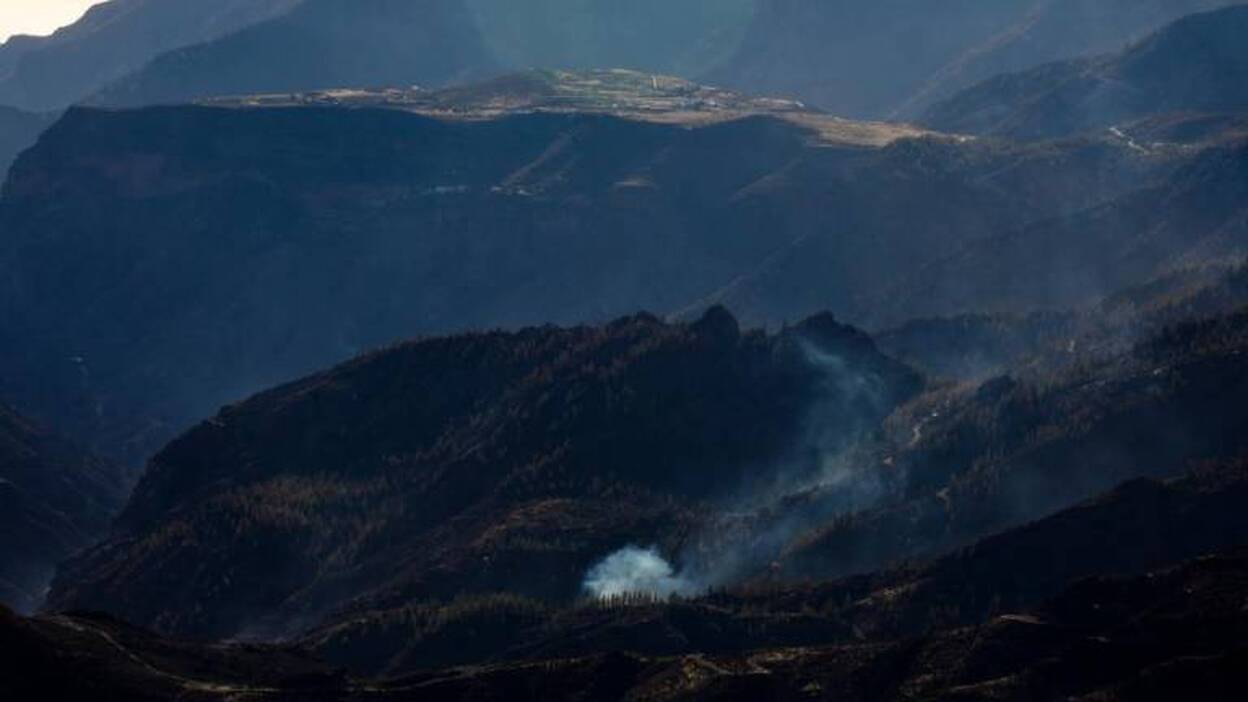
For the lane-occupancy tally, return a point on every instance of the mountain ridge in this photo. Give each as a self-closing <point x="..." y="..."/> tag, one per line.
<point x="111" y="39"/>
<point x="892" y="59"/>
<point x="324" y="44"/>
<point x="458" y="465"/>
<point x="489" y="205"/>
<point x="18" y="130"/>
<point x="1194" y="65"/>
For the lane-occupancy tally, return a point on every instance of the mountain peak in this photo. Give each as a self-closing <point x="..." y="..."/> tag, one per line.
<point x="718" y="323"/>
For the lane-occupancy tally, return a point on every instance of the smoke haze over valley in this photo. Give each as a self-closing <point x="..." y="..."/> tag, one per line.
<point x="594" y="350"/>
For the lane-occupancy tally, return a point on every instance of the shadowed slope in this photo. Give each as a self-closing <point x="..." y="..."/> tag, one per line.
<point x="320" y="44"/>
<point x="469" y="464"/>
<point x="113" y="39"/>
<point x="54" y="500"/>
<point x="1198" y="64"/>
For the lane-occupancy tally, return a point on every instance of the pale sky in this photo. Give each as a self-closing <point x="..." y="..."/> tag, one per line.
<point x="39" y="16"/>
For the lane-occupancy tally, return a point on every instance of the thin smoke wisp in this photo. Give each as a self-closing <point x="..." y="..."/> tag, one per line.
<point x="822" y="468"/>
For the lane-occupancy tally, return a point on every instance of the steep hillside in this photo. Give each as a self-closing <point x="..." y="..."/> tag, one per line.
<point x="54" y="500"/>
<point x="113" y="39"/>
<point x="18" y="131"/>
<point x="457" y="469"/>
<point x="320" y="44"/>
<point x="262" y="255"/>
<point x="977" y="346"/>
<point x="1197" y="64"/>
<point x="1050" y="31"/>
<point x="1128" y="221"/>
<point x="192" y="255"/>
<point x="1197" y="215"/>
<point x="1138" y="631"/>
<point x="980" y="459"/>
<point x="475" y="464"/>
<point x="893" y="58"/>
<point x="1138" y="528"/>
<point x="93" y="657"/>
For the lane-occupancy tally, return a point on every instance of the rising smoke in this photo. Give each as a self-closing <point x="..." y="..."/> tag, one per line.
<point x="634" y="570"/>
<point x="822" y="476"/>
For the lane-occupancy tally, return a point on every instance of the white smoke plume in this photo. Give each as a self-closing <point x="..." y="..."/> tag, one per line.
<point x="819" y="477"/>
<point x="635" y="571"/>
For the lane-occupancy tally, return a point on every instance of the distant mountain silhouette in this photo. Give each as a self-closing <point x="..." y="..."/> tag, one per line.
<point x="887" y="58"/>
<point x="320" y="44"/>
<point x="893" y="58"/>
<point x="113" y="39"/>
<point x="1196" y="65"/>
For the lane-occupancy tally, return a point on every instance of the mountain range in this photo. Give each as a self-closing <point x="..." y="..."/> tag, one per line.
<point x="249" y="241"/>
<point x="859" y="59"/>
<point x="373" y="514"/>
<point x="894" y="58"/>
<point x="1196" y="65"/>
<point x="586" y="350"/>
<point x="299" y="235"/>
<point x="837" y="56"/>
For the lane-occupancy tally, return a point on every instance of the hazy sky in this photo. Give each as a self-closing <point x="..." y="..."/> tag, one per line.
<point x="39" y="16"/>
